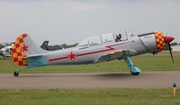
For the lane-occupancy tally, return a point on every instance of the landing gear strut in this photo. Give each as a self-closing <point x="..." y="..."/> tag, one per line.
<point x="133" y="69"/>
<point x="16" y="73"/>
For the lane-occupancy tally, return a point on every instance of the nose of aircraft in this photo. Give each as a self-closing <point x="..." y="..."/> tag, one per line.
<point x="168" y="39"/>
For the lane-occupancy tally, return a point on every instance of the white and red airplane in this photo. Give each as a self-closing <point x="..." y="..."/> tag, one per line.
<point x="91" y="50"/>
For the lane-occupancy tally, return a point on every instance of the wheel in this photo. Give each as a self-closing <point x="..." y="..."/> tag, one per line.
<point x="16" y="73"/>
<point x="136" y="73"/>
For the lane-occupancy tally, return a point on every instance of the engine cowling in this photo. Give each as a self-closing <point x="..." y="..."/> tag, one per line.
<point x="155" y="41"/>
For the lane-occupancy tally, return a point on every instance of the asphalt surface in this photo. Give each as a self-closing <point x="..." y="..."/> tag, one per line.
<point x="163" y="79"/>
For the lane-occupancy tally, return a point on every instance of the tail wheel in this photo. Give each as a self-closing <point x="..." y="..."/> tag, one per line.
<point x="16" y="73"/>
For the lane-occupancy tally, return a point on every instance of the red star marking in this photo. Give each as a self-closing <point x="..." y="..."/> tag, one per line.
<point x="24" y="48"/>
<point x="72" y="56"/>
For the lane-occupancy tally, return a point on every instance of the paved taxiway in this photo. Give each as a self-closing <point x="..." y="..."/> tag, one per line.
<point x="163" y="79"/>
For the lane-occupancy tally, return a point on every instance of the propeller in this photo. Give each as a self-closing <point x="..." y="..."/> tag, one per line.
<point x="168" y="39"/>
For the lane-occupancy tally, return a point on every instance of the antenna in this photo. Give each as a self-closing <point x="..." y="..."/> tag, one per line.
<point x="166" y="26"/>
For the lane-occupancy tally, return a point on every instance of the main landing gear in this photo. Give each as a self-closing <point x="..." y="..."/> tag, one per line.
<point x="16" y="73"/>
<point x="133" y="69"/>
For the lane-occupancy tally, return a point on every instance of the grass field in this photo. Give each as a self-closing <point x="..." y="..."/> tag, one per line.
<point x="90" y="97"/>
<point x="127" y="96"/>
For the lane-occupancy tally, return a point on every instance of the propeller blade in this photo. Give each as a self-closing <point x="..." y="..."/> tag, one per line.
<point x="170" y="52"/>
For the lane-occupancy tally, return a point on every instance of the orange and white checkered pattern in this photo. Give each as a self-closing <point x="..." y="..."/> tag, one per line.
<point x="160" y="42"/>
<point x="18" y="56"/>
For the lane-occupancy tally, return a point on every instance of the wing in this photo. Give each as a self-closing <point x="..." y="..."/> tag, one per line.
<point x="115" y="55"/>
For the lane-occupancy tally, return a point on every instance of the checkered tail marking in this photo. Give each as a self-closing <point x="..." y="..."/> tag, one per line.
<point x="19" y="56"/>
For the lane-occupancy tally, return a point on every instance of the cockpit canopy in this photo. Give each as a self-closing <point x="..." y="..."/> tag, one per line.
<point x="102" y="39"/>
<point x="97" y="40"/>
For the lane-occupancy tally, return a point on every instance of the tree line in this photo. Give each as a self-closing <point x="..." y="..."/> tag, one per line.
<point x="57" y="47"/>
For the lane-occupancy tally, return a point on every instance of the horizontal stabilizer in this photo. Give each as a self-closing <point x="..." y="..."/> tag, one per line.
<point x="36" y="61"/>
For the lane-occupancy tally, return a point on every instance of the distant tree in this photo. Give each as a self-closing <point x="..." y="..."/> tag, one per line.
<point x="73" y="45"/>
<point x="64" y="45"/>
<point x="57" y="47"/>
<point x="174" y="43"/>
<point x="54" y="47"/>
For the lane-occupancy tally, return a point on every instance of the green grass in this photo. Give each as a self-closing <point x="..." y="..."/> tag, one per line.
<point x="147" y="62"/>
<point x="90" y="97"/>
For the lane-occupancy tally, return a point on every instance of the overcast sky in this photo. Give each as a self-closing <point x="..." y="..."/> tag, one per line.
<point x="70" y="21"/>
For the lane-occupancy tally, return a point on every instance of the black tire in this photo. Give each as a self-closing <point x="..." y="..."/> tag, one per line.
<point x="16" y="74"/>
<point x="135" y="74"/>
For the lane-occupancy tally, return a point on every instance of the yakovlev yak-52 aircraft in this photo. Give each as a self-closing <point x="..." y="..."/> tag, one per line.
<point x="91" y="50"/>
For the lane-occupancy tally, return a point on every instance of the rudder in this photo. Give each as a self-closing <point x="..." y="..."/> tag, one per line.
<point x="23" y="48"/>
<point x="19" y="51"/>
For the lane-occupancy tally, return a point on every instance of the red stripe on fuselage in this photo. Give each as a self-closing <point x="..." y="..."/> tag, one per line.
<point x="55" y="59"/>
<point x="94" y="52"/>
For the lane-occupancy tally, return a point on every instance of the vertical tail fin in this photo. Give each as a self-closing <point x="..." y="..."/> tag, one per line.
<point x="18" y="56"/>
<point x="24" y="47"/>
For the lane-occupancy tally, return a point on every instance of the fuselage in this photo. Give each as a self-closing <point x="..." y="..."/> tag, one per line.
<point x="90" y="54"/>
<point x="91" y="50"/>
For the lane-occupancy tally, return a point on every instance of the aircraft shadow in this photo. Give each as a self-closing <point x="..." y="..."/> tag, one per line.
<point x="114" y="75"/>
<point x="98" y="75"/>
